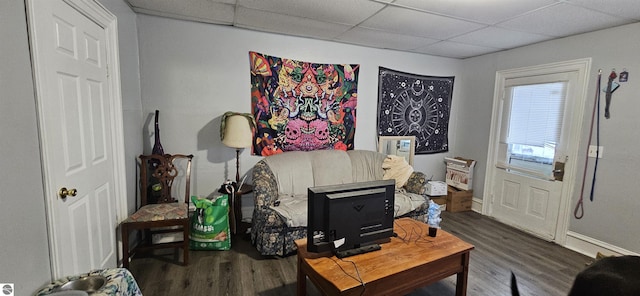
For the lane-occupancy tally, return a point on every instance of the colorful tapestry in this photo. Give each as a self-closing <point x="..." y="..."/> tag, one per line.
<point x="302" y="106"/>
<point x="415" y="105"/>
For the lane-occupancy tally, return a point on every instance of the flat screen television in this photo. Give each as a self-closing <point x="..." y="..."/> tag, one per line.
<point x="350" y="219"/>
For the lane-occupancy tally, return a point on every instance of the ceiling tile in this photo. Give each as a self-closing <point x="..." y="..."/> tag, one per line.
<point x="415" y="23"/>
<point x="562" y="20"/>
<point x="486" y="11"/>
<point x="622" y="8"/>
<point x="336" y="11"/>
<point x="454" y="50"/>
<point x="283" y="24"/>
<point x="499" y="38"/>
<point x="197" y="10"/>
<point x="374" y="38"/>
<point x="469" y="27"/>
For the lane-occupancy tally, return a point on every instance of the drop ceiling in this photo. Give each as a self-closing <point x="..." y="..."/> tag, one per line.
<point x="448" y="28"/>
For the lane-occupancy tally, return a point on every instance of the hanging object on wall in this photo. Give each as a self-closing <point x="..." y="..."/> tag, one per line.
<point x="302" y="106"/>
<point x="624" y="76"/>
<point x="578" y="212"/>
<point x="415" y="105"/>
<point x="611" y="87"/>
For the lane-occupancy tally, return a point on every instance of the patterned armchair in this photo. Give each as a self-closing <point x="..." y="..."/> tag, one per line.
<point x="280" y="188"/>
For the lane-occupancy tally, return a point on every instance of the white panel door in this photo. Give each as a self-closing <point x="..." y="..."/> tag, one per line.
<point x="75" y="111"/>
<point x="527" y="202"/>
<point x="535" y="132"/>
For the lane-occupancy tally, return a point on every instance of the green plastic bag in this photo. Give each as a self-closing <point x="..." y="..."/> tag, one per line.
<point x="210" y="224"/>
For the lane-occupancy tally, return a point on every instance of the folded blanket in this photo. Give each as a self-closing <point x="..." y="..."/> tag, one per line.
<point x="406" y="202"/>
<point x="396" y="167"/>
<point x="293" y="209"/>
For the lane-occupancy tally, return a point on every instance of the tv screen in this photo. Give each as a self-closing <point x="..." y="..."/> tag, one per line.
<point x="350" y="218"/>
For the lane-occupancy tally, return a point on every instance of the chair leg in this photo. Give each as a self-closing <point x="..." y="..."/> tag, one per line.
<point x="185" y="244"/>
<point x="125" y="245"/>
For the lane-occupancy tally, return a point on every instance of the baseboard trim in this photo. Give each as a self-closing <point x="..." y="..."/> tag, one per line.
<point x="590" y="246"/>
<point x="476" y="205"/>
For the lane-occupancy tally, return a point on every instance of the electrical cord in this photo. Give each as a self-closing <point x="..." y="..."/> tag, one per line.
<point x="358" y="278"/>
<point x="420" y="237"/>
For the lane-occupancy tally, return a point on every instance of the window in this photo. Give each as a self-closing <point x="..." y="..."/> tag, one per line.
<point x="533" y="124"/>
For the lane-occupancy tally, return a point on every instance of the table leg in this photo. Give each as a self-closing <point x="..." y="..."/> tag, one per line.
<point x="461" y="277"/>
<point x="302" y="279"/>
<point x="232" y="212"/>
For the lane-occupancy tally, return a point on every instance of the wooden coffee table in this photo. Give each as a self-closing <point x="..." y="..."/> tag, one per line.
<point x="409" y="261"/>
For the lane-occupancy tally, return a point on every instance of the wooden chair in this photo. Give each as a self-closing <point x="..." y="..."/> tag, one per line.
<point x="163" y="214"/>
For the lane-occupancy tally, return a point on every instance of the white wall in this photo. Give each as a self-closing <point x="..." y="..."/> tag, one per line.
<point x="194" y="72"/>
<point x="24" y="249"/>
<point x="611" y="220"/>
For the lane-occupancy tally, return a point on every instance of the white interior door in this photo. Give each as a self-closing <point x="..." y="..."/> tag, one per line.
<point x="535" y="132"/>
<point x="77" y="106"/>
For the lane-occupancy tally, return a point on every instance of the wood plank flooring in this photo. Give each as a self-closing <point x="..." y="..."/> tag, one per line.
<point x="542" y="268"/>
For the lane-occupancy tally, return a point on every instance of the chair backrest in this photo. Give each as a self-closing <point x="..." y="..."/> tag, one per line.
<point x="157" y="176"/>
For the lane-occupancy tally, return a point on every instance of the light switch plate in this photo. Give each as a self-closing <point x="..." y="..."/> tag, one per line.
<point x="592" y="151"/>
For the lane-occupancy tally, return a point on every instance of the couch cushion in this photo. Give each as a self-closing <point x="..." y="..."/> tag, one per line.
<point x="293" y="209"/>
<point x="406" y="202"/>
<point x="296" y="171"/>
<point x="366" y="165"/>
<point x="330" y="167"/>
<point x="293" y="172"/>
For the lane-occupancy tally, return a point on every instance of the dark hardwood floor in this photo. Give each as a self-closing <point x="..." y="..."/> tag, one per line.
<point x="542" y="268"/>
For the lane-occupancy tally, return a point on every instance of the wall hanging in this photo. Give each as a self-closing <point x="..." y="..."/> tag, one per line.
<point x="415" y="105"/>
<point x="302" y="106"/>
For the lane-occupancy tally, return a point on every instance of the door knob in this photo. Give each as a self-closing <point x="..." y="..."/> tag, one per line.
<point x="64" y="192"/>
<point x="558" y="171"/>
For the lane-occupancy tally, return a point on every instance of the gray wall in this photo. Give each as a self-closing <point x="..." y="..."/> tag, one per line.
<point x="24" y="249"/>
<point x="612" y="218"/>
<point x="130" y="86"/>
<point x="194" y="72"/>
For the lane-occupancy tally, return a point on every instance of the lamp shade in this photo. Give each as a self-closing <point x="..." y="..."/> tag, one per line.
<point x="236" y="130"/>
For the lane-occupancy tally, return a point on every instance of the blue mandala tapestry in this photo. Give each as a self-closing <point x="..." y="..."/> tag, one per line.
<point x="302" y="106"/>
<point x="415" y="105"/>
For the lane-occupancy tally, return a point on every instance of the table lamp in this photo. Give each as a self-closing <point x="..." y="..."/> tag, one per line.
<point x="236" y="131"/>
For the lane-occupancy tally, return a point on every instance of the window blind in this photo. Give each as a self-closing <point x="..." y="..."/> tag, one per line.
<point x="536" y="113"/>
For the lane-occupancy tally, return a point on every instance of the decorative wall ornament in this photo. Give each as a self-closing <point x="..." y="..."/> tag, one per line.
<point x="415" y="105"/>
<point x="302" y="106"/>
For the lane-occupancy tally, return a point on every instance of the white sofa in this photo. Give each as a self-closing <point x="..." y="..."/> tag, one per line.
<point x="280" y="191"/>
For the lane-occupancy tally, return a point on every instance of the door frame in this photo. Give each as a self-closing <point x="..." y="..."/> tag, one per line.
<point x="582" y="67"/>
<point x="105" y="19"/>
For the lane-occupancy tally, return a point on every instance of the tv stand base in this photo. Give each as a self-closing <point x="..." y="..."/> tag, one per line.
<point x="357" y="251"/>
